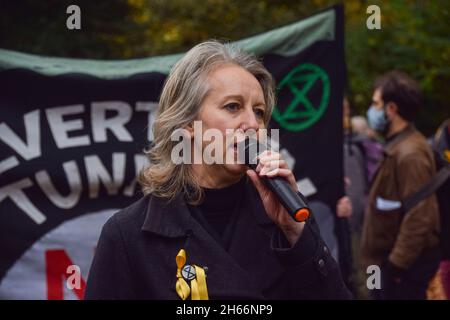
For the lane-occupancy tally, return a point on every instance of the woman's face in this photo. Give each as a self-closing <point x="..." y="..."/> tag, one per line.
<point x="235" y="100"/>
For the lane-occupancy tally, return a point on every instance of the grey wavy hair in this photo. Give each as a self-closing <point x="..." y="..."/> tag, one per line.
<point x="182" y="95"/>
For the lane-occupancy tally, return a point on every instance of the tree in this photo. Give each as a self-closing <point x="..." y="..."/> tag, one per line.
<point x="413" y="38"/>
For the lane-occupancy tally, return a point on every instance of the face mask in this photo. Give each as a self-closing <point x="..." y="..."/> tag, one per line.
<point x="377" y="119"/>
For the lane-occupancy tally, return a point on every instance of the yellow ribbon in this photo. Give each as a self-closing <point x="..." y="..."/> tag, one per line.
<point x="182" y="287"/>
<point x="198" y="285"/>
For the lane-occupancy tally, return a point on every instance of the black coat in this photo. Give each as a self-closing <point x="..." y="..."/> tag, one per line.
<point x="135" y="256"/>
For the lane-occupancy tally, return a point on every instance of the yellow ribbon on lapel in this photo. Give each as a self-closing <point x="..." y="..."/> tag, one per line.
<point x="198" y="285"/>
<point x="182" y="287"/>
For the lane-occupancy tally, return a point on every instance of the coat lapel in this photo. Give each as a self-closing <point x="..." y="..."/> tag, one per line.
<point x="245" y="270"/>
<point x="251" y="247"/>
<point x="225" y="277"/>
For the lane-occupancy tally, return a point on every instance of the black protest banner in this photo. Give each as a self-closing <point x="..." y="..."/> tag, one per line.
<point x="72" y="134"/>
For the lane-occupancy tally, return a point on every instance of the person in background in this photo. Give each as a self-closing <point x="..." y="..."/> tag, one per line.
<point x="344" y="217"/>
<point x="325" y="218"/>
<point x="354" y="171"/>
<point x="441" y="146"/>
<point x="369" y="143"/>
<point x="404" y="244"/>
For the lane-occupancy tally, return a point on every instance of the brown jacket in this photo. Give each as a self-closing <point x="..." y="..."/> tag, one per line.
<point x="388" y="233"/>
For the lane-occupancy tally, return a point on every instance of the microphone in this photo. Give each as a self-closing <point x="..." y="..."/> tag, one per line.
<point x="293" y="202"/>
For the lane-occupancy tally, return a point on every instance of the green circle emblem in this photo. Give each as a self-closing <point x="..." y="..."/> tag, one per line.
<point x="301" y="113"/>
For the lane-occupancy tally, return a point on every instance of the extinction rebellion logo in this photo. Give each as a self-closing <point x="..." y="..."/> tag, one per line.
<point x="303" y="109"/>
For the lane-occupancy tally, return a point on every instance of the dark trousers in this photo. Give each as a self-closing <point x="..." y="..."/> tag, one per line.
<point x="343" y="235"/>
<point x="414" y="282"/>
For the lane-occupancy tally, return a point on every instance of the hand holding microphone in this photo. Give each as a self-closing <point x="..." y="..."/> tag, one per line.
<point x="275" y="183"/>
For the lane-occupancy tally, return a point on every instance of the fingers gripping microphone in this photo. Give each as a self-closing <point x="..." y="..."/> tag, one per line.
<point x="293" y="202"/>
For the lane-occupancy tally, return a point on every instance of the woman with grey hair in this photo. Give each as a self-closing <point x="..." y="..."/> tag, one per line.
<point x="212" y="230"/>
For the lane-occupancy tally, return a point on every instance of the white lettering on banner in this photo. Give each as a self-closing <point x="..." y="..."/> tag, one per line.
<point x="116" y="124"/>
<point x="149" y="107"/>
<point x="64" y="131"/>
<point x="8" y="164"/>
<point x="96" y="175"/>
<point x="74" y="179"/>
<point x="14" y="191"/>
<point x="61" y="128"/>
<point x="29" y="149"/>
<point x="97" y="172"/>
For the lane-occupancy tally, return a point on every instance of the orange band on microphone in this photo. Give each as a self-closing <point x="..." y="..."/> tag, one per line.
<point x="302" y="215"/>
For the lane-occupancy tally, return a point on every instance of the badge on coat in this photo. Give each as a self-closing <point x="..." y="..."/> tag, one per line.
<point x="190" y="274"/>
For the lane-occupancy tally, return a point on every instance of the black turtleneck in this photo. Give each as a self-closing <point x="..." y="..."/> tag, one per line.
<point x="218" y="210"/>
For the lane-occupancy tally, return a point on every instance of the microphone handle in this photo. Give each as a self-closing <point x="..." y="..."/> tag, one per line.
<point x="294" y="203"/>
<point x="291" y="201"/>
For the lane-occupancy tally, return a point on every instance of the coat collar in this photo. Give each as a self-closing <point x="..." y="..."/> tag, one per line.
<point x="167" y="218"/>
<point x="242" y="272"/>
<point x="390" y="147"/>
<point x="173" y="218"/>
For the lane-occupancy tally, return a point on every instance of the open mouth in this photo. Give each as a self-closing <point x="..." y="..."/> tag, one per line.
<point x="238" y="141"/>
<point x="236" y="146"/>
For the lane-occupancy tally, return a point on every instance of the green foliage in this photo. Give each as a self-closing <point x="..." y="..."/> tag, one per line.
<point x="414" y="35"/>
<point x="414" y="38"/>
